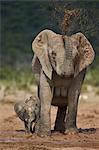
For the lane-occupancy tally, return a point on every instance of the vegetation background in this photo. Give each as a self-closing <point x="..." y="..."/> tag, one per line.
<point x="21" y="21"/>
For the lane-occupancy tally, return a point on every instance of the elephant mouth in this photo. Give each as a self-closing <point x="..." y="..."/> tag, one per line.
<point x="67" y="76"/>
<point x="62" y="75"/>
<point x="65" y="70"/>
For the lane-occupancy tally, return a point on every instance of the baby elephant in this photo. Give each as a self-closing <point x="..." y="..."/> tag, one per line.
<point x="28" y="112"/>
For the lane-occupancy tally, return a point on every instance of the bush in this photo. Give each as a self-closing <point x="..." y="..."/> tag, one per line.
<point x="92" y="77"/>
<point x="20" y="79"/>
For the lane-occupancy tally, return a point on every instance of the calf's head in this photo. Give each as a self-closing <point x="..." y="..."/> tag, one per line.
<point x="28" y="110"/>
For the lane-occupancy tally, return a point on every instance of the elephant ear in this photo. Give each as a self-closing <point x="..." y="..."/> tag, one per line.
<point x="85" y="53"/>
<point x="36" y="66"/>
<point x="40" y="48"/>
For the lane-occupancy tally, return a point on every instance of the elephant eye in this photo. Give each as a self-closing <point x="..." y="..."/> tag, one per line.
<point x="53" y="55"/>
<point x="36" y="105"/>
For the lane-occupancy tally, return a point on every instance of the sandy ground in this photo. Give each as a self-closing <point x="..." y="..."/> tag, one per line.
<point x="13" y="137"/>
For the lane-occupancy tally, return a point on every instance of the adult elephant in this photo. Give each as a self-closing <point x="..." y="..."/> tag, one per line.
<point x="59" y="65"/>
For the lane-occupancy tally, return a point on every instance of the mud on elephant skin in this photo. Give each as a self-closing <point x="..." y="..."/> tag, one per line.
<point x="28" y="111"/>
<point x="59" y="66"/>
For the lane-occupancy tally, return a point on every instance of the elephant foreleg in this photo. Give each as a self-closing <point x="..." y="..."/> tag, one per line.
<point x="46" y="98"/>
<point x="60" y="119"/>
<point x="73" y="95"/>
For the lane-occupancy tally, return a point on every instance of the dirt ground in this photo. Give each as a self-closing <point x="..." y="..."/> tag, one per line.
<point x="13" y="137"/>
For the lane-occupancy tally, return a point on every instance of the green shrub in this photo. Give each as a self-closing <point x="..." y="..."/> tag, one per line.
<point x="20" y="79"/>
<point x="23" y="78"/>
<point x="92" y="77"/>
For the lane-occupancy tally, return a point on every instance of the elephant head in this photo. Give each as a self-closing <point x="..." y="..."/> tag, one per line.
<point x="67" y="55"/>
<point x="28" y="110"/>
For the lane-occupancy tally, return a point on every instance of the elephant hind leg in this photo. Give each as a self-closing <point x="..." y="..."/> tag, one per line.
<point x="60" y="119"/>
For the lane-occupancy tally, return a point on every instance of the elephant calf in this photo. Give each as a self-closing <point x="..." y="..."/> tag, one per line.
<point x="28" y="112"/>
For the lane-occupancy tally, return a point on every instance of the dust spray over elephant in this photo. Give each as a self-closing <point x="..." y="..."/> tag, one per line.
<point x="59" y="66"/>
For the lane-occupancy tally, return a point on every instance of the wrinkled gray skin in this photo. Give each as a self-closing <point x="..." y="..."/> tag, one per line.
<point x="28" y="112"/>
<point x="59" y="66"/>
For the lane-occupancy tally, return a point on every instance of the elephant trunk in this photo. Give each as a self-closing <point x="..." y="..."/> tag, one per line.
<point x="65" y="66"/>
<point x="68" y="60"/>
